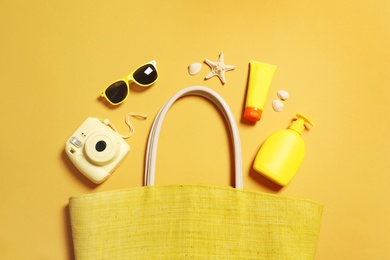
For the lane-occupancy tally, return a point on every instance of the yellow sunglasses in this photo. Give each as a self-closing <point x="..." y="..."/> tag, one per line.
<point x="144" y="76"/>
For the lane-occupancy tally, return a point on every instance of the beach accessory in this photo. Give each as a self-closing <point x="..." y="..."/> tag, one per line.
<point x="193" y="221"/>
<point x="96" y="148"/>
<point x="144" y="76"/>
<point x="218" y="68"/>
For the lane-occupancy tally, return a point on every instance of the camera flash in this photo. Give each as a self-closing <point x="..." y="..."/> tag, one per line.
<point x="76" y="142"/>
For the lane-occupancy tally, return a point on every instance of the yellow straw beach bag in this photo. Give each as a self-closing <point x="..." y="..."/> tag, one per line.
<point x="193" y="221"/>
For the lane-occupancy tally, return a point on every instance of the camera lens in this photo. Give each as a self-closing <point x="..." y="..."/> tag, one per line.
<point x="100" y="146"/>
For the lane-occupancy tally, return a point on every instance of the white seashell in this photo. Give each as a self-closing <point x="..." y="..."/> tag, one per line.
<point x="194" y="68"/>
<point x="283" y="94"/>
<point x="277" y="105"/>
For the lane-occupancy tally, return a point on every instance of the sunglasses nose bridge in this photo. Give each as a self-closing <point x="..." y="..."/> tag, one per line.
<point x="129" y="79"/>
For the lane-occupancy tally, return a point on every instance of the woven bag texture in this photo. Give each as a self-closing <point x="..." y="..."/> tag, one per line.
<point x="193" y="222"/>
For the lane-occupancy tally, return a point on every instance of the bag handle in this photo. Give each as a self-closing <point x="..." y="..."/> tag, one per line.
<point x="151" y="149"/>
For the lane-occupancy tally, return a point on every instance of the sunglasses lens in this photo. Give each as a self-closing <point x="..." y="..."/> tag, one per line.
<point x="145" y="75"/>
<point x="117" y="92"/>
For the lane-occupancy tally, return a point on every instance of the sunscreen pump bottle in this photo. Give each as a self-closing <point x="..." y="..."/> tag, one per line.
<point x="282" y="153"/>
<point x="260" y="78"/>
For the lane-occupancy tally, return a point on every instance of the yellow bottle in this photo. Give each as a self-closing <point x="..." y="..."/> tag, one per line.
<point x="282" y="153"/>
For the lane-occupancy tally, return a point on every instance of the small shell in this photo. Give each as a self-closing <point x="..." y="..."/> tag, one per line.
<point x="277" y="105"/>
<point x="283" y="94"/>
<point x="194" y="68"/>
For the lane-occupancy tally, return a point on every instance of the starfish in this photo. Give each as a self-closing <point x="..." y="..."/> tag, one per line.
<point x="218" y="68"/>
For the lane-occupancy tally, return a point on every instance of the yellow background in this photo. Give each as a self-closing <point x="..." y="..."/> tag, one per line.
<point x="333" y="58"/>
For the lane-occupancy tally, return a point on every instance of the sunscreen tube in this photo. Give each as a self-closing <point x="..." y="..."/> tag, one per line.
<point x="260" y="78"/>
